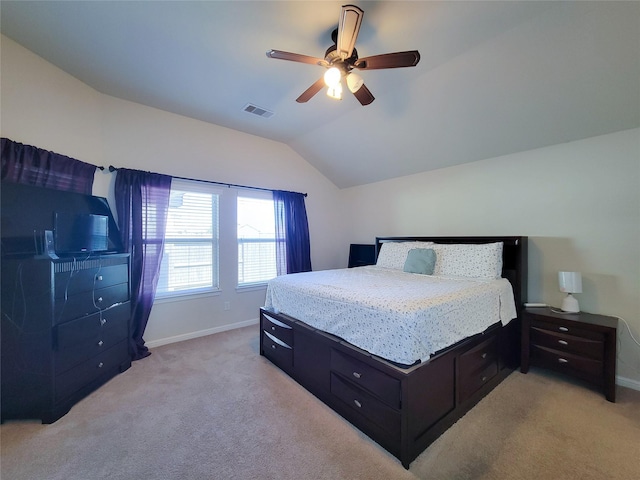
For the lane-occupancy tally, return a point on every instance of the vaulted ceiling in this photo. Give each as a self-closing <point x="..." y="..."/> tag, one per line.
<point x="494" y="77"/>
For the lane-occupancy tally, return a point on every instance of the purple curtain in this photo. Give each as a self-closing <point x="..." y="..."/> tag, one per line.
<point x="142" y="203"/>
<point x="38" y="167"/>
<point x="293" y="252"/>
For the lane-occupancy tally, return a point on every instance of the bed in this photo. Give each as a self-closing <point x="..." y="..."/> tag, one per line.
<point x="404" y="348"/>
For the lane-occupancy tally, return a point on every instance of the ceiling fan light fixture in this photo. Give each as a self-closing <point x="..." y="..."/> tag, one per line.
<point x="332" y="77"/>
<point x="342" y="57"/>
<point x="354" y="82"/>
<point x="335" y="92"/>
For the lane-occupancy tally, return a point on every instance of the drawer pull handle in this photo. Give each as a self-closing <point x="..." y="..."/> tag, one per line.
<point x="100" y="365"/>
<point x="563" y="342"/>
<point x="563" y="329"/>
<point x="357" y="403"/>
<point x="103" y="321"/>
<point x="273" y="328"/>
<point x="356" y="374"/>
<point x="484" y="355"/>
<point x="484" y="379"/>
<point x="99" y="278"/>
<point x="273" y="346"/>
<point x="100" y="343"/>
<point x="563" y="360"/>
<point x="99" y="299"/>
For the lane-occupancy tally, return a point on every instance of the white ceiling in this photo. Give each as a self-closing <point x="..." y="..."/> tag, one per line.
<point x="494" y="78"/>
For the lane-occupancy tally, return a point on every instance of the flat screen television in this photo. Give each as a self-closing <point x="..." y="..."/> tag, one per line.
<point x="80" y="233"/>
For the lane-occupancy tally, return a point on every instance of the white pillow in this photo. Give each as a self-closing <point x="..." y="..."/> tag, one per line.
<point x="469" y="260"/>
<point x="394" y="254"/>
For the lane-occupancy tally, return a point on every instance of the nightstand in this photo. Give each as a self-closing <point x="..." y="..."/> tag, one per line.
<point x="361" y="254"/>
<point x="579" y="344"/>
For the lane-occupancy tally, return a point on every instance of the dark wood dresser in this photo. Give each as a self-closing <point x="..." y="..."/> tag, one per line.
<point x="65" y="330"/>
<point x="579" y="344"/>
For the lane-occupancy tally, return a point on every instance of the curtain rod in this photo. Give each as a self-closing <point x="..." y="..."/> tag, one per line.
<point x="229" y="185"/>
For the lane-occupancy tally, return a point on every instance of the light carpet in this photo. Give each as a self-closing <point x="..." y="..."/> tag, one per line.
<point x="212" y="408"/>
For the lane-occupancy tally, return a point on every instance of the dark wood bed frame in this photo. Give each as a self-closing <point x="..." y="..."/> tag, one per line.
<point x="403" y="409"/>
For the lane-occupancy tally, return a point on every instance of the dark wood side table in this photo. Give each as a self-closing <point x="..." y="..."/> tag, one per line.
<point x="579" y="344"/>
<point x="361" y="254"/>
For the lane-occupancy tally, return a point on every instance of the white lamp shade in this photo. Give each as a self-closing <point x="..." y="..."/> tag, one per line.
<point x="570" y="282"/>
<point x="354" y="82"/>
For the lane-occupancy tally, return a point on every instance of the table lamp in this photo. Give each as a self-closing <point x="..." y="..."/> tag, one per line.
<point x="570" y="282"/>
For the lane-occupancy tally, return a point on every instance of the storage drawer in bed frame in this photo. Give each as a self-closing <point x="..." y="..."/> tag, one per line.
<point x="403" y="409"/>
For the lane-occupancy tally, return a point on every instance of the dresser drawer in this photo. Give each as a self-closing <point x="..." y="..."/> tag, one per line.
<point x="87" y="303"/>
<point x="383" y="386"/>
<point x="277" y="351"/>
<point x="568" y="343"/>
<point x="86" y="280"/>
<point x="278" y="329"/>
<point x="83" y="338"/>
<point x="84" y="329"/>
<point x="365" y="404"/>
<point x="72" y="380"/>
<point x="580" y="366"/>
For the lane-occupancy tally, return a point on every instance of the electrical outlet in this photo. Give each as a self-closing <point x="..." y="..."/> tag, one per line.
<point x="227" y="305"/>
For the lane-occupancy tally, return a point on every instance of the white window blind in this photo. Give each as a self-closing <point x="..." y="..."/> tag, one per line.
<point x="256" y="238"/>
<point x="190" y="258"/>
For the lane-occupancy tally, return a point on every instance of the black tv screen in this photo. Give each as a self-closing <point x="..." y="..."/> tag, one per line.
<point x="80" y="233"/>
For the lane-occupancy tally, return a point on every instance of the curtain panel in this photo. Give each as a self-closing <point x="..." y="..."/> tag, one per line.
<point x="35" y="166"/>
<point x="142" y="204"/>
<point x="293" y="252"/>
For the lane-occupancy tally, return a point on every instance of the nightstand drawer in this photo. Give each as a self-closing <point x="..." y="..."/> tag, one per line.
<point x="577" y="365"/>
<point x="567" y="328"/>
<point x="568" y="343"/>
<point x="580" y="344"/>
<point x="278" y="329"/>
<point x="383" y="386"/>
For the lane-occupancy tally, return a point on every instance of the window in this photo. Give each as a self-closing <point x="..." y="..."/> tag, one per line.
<point x="190" y="258"/>
<point x="256" y="238"/>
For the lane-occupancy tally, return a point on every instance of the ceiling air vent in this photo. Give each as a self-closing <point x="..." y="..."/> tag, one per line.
<point x="256" y="110"/>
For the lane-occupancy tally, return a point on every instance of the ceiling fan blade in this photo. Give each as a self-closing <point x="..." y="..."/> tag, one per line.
<point x="364" y="96"/>
<point x="296" y="57"/>
<point x="348" y="28"/>
<point x="389" y="60"/>
<point x="311" y="91"/>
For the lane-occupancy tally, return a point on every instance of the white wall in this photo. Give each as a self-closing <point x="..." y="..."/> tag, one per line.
<point x="150" y="139"/>
<point x="579" y="204"/>
<point x="45" y="107"/>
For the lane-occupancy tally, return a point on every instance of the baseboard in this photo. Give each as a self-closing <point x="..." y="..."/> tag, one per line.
<point x="628" y="382"/>
<point x="200" y="333"/>
<point x="622" y="381"/>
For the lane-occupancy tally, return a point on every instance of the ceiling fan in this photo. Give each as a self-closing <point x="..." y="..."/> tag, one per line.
<point x="342" y="57"/>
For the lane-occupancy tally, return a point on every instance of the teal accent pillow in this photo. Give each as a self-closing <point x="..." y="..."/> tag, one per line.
<point x="420" y="260"/>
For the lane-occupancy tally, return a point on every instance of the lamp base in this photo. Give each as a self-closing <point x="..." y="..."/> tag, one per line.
<point x="570" y="304"/>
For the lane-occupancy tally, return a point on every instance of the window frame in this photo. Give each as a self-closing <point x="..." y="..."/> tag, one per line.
<point x="196" y="186"/>
<point x="259" y="195"/>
